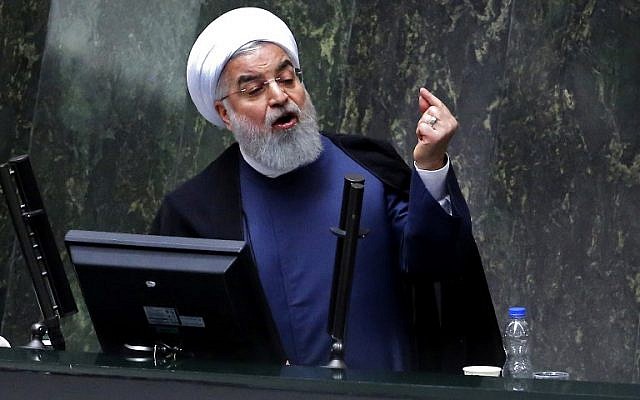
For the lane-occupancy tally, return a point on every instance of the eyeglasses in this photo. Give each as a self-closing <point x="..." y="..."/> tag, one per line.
<point x="288" y="79"/>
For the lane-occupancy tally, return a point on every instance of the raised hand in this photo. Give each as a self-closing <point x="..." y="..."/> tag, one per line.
<point x="435" y="129"/>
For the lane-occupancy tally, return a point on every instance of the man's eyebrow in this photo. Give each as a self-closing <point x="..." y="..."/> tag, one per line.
<point x="284" y="65"/>
<point x="246" y="78"/>
<point x="252" y="77"/>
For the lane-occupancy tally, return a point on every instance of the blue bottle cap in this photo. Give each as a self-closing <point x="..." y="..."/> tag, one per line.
<point x="517" y="312"/>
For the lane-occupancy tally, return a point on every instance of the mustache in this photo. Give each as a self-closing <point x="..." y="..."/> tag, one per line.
<point x="274" y="114"/>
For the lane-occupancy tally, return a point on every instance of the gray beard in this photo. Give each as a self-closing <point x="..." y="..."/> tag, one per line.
<point x="280" y="151"/>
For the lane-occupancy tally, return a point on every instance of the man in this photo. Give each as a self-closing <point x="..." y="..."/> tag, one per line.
<point x="280" y="189"/>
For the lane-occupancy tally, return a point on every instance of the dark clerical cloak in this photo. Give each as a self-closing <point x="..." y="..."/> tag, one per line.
<point x="445" y="304"/>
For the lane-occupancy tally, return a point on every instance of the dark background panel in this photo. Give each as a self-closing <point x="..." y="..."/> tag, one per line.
<point x="23" y="29"/>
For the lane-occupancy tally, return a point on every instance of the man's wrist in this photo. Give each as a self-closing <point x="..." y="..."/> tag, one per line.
<point x="434" y="180"/>
<point x="432" y="165"/>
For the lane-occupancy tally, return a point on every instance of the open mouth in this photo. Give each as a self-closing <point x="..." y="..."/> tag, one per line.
<point x="286" y="121"/>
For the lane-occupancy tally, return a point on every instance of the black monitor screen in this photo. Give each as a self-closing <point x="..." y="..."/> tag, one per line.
<point x="200" y="295"/>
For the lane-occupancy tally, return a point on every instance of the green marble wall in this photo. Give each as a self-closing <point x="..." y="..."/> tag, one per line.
<point x="547" y="153"/>
<point x="23" y="28"/>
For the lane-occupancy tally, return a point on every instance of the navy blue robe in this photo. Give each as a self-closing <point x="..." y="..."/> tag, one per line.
<point x="286" y="220"/>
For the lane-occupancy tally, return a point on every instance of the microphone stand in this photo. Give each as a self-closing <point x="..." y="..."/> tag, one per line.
<point x="348" y="234"/>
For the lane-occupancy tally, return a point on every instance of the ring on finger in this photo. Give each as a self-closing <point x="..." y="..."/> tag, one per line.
<point x="430" y="120"/>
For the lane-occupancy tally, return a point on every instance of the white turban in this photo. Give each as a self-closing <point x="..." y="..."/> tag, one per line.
<point x="220" y="40"/>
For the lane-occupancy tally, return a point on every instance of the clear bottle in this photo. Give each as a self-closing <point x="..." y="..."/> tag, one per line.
<point x="515" y="340"/>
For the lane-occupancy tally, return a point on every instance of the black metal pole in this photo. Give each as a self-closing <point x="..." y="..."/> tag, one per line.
<point x="348" y="234"/>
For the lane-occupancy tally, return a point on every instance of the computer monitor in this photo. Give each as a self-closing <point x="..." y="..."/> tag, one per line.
<point x="39" y="250"/>
<point x="200" y="295"/>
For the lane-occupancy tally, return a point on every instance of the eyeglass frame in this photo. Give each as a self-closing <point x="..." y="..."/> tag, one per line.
<point x="296" y="71"/>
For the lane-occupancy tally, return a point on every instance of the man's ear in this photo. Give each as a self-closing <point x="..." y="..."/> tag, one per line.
<point x="223" y="113"/>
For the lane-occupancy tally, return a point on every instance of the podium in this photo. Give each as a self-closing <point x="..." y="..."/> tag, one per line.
<point x="87" y="376"/>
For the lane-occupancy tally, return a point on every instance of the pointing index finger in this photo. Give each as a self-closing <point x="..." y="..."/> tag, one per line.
<point x="430" y="98"/>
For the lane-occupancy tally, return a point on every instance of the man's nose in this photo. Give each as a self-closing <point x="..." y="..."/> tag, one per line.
<point x="277" y="96"/>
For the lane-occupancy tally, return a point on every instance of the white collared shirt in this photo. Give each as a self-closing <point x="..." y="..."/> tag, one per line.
<point x="434" y="181"/>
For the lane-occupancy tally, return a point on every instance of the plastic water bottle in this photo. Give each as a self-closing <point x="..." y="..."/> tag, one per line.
<point x="515" y="340"/>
